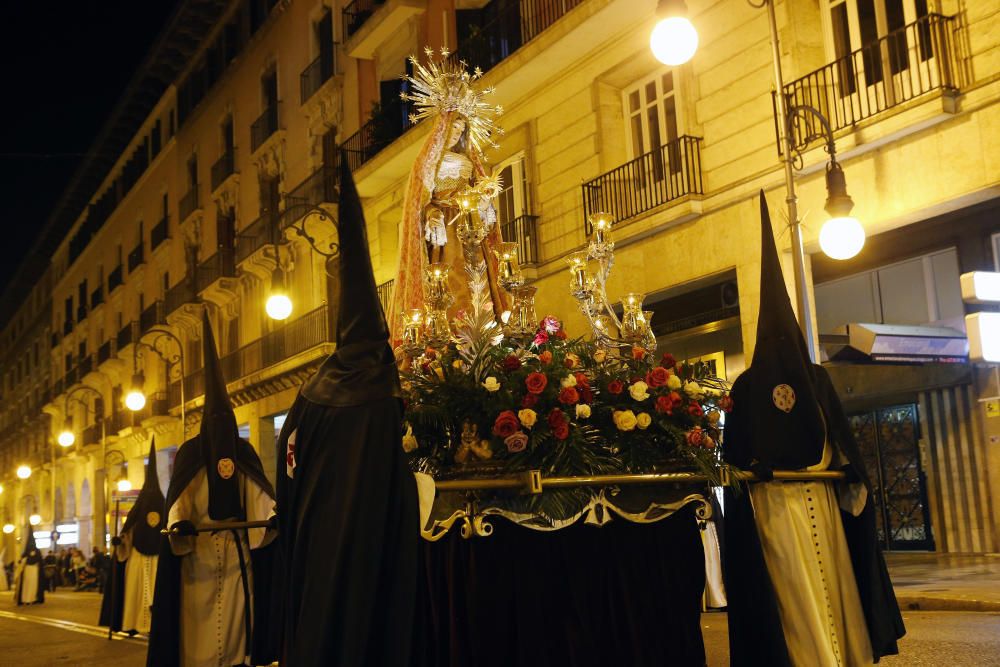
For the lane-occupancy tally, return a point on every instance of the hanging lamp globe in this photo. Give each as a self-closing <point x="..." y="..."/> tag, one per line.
<point x="674" y="39"/>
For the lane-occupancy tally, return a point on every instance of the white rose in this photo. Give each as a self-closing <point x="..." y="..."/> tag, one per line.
<point x="491" y="384"/>
<point x="600" y="355"/>
<point x="693" y="389"/>
<point x="582" y="411"/>
<point x="638" y="391"/>
<point x="673" y="382"/>
<point x="409" y="440"/>
<point x="568" y="381"/>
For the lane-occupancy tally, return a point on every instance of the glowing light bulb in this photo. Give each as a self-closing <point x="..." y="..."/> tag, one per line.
<point x="278" y="307"/>
<point x="8" y="528"/>
<point x="66" y="438"/>
<point x="842" y="238"/>
<point x="124" y="486"/>
<point x="135" y="400"/>
<point x="35" y="519"/>
<point x="674" y="40"/>
<point x="23" y="472"/>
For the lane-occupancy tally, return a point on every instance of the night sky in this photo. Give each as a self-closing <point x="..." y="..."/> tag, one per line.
<point x="65" y="65"/>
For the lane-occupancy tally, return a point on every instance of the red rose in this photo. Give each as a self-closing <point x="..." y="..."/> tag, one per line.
<point x="657" y="377"/>
<point x="726" y="403"/>
<point x="541" y="338"/>
<point x="529" y="401"/>
<point x="638" y="353"/>
<point x="569" y="396"/>
<point x="511" y="363"/>
<point x="668" y="361"/>
<point x="615" y="387"/>
<point x="586" y="394"/>
<point x="695" y="410"/>
<point x="556" y="417"/>
<point x="561" y="431"/>
<point x="506" y="424"/>
<point x="581" y="380"/>
<point x="545" y="357"/>
<point x="664" y="404"/>
<point x="536" y="382"/>
<point x="694" y="436"/>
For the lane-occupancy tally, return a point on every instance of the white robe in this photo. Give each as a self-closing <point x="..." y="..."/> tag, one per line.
<point x="212" y="623"/>
<point x="715" y="590"/>
<point x="4" y="585"/>
<point x="26" y="581"/>
<point x="807" y="558"/>
<point x="140" y="580"/>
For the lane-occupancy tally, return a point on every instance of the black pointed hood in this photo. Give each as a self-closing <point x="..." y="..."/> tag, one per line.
<point x="30" y="550"/>
<point x="775" y="409"/>
<point x="147" y="517"/>
<point x="362" y="368"/>
<point x="218" y="436"/>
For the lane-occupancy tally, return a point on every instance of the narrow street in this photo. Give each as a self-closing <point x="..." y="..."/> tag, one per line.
<point x="64" y="631"/>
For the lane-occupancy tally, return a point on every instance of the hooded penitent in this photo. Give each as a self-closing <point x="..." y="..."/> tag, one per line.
<point x="29" y="584"/>
<point x="30" y="553"/>
<point x="785" y="410"/>
<point x="146" y="518"/>
<point x="219" y="563"/>
<point x="347" y="503"/>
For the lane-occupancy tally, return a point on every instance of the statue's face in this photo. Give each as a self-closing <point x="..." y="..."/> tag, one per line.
<point x="469" y="432"/>
<point x="455" y="132"/>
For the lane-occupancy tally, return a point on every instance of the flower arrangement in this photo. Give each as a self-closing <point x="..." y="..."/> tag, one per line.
<point x="563" y="406"/>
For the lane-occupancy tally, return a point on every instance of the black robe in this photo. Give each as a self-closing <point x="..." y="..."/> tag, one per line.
<point x="351" y="576"/>
<point x="114" y="596"/>
<point x="164" y="635"/>
<point x="32" y="557"/>
<point x="755" y="630"/>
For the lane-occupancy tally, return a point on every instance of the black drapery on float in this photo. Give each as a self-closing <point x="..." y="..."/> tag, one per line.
<point x="347" y="502"/>
<point x="785" y="409"/>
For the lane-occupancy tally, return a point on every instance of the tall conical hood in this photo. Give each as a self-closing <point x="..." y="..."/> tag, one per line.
<point x="30" y="550"/>
<point x="146" y="518"/>
<point x="218" y="436"/>
<point x="774" y="400"/>
<point x="362" y="368"/>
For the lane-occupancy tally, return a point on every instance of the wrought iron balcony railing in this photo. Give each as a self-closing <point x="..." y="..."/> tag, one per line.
<point x="85" y="365"/>
<point x="316" y="74"/>
<point x="159" y="233"/>
<point x="178" y="295"/>
<point x="650" y="180"/>
<point x="136" y="258"/>
<point x="220" y="265"/>
<point x="906" y="63"/>
<point x="104" y="352"/>
<point x="508" y="28"/>
<point x="259" y="233"/>
<point x="188" y="203"/>
<point x="523" y="230"/>
<point x="223" y="168"/>
<point x="68" y="327"/>
<point x="321" y="187"/>
<point x="124" y="337"/>
<point x="151" y="316"/>
<point x="356" y="13"/>
<point x="385" y="295"/>
<point x="115" y="278"/>
<point x="262" y="128"/>
<point x="389" y="124"/>
<point x="97" y="297"/>
<point x="81" y="313"/>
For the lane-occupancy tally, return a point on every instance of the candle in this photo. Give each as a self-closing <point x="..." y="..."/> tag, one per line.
<point x="602" y="228"/>
<point x="578" y="269"/>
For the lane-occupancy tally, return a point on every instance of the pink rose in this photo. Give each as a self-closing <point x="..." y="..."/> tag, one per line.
<point x="516" y="442"/>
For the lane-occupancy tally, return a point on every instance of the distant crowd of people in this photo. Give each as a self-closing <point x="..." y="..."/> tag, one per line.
<point x="70" y="568"/>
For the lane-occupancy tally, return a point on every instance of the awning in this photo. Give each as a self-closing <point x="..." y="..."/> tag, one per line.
<point x="897" y="343"/>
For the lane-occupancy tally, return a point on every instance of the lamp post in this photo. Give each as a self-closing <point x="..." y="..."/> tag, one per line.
<point x="279" y="303"/>
<point x="136" y="398"/>
<point x="66" y="439"/>
<point x="842" y="236"/>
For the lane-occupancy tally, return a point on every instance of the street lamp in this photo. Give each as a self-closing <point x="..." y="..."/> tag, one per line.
<point x="35" y="519"/>
<point x="279" y="305"/>
<point x="23" y="472"/>
<point x="8" y="528"/>
<point x="66" y="437"/>
<point x="124" y="486"/>
<point x="673" y="40"/>
<point x="136" y="398"/>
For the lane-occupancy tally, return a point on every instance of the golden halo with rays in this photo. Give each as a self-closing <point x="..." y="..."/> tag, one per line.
<point x="442" y="85"/>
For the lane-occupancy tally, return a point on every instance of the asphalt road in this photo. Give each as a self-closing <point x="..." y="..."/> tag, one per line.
<point x="30" y="637"/>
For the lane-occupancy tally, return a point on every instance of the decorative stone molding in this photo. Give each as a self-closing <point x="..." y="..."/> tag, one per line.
<point x="226" y="197"/>
<point x="269" y="159"/>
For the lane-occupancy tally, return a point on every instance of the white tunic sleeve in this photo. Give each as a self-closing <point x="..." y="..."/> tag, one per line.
<point x="259" y="507"/>
<point x="183" y="509"/>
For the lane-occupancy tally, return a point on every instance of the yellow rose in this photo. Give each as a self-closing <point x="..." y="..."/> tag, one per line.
<point x="457" y="364"/>
<point x="643" y="420"/>
<point x="582" y="411"/>
<point x="600" y="355"/>
<point x="673" y="382"/>
<point x="527" y="417"/>
<point x="638" y="391"/>
<point x="713" y="417"/>
<point x="568" y="381"/>
<point x="491" y="384"/>
<point x="625" y="420"/>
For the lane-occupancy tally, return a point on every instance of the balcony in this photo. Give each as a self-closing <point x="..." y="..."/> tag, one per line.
<point x="316" y="74"/>
<point x="96" y="297"/>
<point x="136" y="258"/>
<point x="178" y="295"/>
<point x="507" y="29"/>
<point x="321" y="187"/>
<point x="124" y="337"/>
<point x="297" y="336"/>
<point x="85" y="365"/>
<point x="261" y="232"/>
<point x="356" y="13"/>
<point x="115" y="279"/>
<point x="220" y="265"/>
<point x="104" y="352"/>
<point x="159" y="233"/>
<point x="650" y="180"/>
<point x="223" y="168"/>
<point x="81" y="313"/>
<point x="380" y="131"/>
<point x="370" y="23"/>
<point x="67" y="327"/>
<point x="264" y="127"/>
<point x="91" y="435"/>
<point x="912" y="61"/>
<point x="385" y="294"/>
<point x="523" y="230"/>
<point x="151" y="316"/>
<point x="188" y="203"/>
<point x="55" y="339"/>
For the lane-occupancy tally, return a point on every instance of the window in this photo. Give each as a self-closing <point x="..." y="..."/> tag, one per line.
<point x="512" y="202"/>
<point x="922" y="290"/>
<point x="192" y="171"/>
<point x="651" y="113"/>
<point x="228" y="139"/>
<point x="269" y="89"/>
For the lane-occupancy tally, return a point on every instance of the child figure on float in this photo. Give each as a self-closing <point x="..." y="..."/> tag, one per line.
<point x="450" y="165"/>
